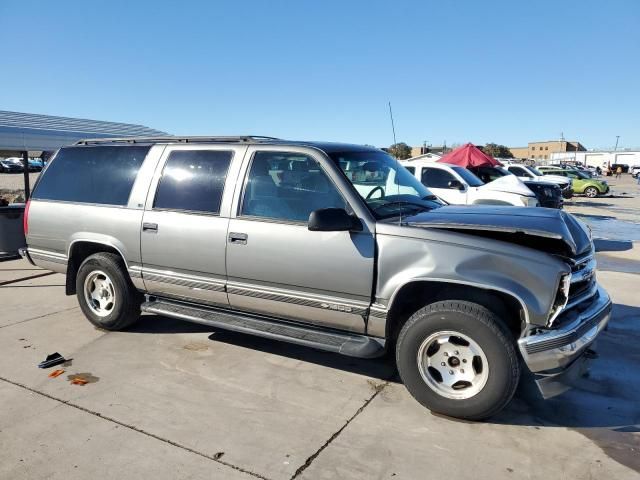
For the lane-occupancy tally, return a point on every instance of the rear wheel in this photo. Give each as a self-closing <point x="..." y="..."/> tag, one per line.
<point x="458" y="359"/>
<point x="105" y="293"/>
<point x="591" y="192"/>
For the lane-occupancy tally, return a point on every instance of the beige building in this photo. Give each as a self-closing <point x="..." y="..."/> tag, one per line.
<point x="544" y="150"/>
<point x="417" y="151"/>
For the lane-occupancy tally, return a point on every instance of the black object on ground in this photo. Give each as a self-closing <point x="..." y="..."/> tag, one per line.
<point x="52" y="360"/>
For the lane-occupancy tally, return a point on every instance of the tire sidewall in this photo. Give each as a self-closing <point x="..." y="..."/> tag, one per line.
<point x="120" y="286"/>
<point x="499" y="351"/>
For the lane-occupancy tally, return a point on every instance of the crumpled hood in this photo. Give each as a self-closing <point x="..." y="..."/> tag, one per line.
<point x="506" y="223"/>
<point x="509" y="184"/>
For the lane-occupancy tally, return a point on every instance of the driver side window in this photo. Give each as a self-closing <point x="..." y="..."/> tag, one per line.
<point x="287" y="186"/>
<point x="436" y="178"/>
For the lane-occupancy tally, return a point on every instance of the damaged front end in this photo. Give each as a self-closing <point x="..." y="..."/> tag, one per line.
<point x="554" y="352"/>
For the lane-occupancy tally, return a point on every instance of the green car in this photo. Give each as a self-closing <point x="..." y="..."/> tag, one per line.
<point x="581" y="182"/>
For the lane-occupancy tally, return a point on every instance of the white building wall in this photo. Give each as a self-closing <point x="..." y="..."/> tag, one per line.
<point x="598" y="159"/>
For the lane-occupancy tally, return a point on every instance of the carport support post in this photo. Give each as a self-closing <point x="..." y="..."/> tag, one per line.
<point x="25" y="171"/>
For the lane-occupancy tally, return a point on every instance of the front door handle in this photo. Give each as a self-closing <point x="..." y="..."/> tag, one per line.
<point x="239" y="238"/>
<point x="149" y="227"/>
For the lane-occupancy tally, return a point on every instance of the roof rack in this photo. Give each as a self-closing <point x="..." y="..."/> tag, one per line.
<point x="176" y="139"/>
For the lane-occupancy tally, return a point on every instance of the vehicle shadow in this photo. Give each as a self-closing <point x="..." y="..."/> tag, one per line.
<point x="605" y="399"/>
<point x="604" y="245"/>
<point x="379" y="368"/>
<point x="594" y="204"/>
<point x="152" y="323"/>
<point x="594" y="217"/>
<point x="382" y="368"/>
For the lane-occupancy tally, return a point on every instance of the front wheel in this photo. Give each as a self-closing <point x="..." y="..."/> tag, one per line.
<point x="591" y="192"/>
<point x="458" y="359"/>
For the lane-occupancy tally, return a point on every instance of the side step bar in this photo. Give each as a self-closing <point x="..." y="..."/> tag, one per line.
<point x="351" y="344"/>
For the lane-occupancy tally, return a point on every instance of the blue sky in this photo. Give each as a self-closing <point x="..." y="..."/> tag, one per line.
<point x="480" y="71"/>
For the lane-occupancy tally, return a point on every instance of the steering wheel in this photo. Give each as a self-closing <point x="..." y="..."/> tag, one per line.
<point x="374" y="190"/>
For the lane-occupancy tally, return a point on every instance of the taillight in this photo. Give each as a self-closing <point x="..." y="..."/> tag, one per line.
<point x="25" y="218"/>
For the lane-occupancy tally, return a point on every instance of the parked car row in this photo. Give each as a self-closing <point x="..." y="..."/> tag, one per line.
<point x="14" y="165"/>
<point x="581" y="181"/>
<point x="332" y="246"/>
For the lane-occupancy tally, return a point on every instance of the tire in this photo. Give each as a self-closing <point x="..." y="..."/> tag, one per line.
<point x="591" y="192"/>
<point x="117" y="303"/>
<point x="495" y="366"/>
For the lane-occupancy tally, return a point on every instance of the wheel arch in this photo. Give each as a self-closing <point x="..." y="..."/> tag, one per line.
<point x="79" y="250"/>
<point x="415" y="294"/>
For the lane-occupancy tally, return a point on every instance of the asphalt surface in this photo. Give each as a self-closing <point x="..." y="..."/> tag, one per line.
<point x="169" y="399"/>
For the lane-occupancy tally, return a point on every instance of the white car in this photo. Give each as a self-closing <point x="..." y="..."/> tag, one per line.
<point x="525" y="172"/>
<point x="635" y="171"/>
<point x="458" y="186"/>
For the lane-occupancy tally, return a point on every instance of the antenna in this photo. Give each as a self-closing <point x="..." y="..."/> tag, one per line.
<point x="395" y="143"/>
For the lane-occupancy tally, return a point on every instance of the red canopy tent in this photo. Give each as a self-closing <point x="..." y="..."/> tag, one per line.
<point x="469" y="156"/>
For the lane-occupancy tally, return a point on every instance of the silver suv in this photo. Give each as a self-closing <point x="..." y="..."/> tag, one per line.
<point x="332" y="246"/>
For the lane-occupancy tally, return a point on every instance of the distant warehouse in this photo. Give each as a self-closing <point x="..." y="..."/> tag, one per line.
<point x="39" y="134"/>
<point x="602" y="159"/>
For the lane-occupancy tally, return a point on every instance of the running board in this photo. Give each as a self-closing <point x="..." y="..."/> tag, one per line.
<point x="351" y="344"/>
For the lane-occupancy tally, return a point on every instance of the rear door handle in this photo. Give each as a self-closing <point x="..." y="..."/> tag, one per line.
<point x="149" y="227"/>
<point x="239" y="238"/>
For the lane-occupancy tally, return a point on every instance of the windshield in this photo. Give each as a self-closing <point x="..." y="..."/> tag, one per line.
<point x="468" y="177"/>
<point x="534" y="170"/>
<point x="387" y="187"/>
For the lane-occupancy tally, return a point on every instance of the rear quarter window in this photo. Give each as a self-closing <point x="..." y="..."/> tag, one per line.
<point x="99" y="175"/>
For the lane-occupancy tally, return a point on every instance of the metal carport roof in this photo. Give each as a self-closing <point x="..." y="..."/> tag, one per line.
<point x="28" y="134"/>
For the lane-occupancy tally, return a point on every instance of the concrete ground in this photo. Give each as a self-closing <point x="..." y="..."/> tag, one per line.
<point x="169" y="399"/>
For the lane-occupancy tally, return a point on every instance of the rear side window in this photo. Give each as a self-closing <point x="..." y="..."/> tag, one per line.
<point x="102" y="175"/>
<point x="193" y="181"/>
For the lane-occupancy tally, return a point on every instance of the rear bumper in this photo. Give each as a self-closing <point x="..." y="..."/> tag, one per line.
<point x="553" y="356"/>
<point x="24" y="253"/>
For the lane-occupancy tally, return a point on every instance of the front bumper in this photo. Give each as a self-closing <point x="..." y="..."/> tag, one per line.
<point x="551" y="354"/>
<point x="567" y="192"/>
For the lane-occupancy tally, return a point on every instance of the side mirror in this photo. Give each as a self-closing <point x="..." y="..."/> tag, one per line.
<point x="456" y="185"/>
<point x="333" y="220"/>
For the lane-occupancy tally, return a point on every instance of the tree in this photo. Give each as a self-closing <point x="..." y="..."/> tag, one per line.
<point x="400" y="150"/>
<point x="497" y="151"/>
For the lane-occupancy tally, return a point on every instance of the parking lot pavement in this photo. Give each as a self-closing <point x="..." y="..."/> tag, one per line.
<point x="256" y="405"/>
<point x="41" y="437"/>
<point x="178" y="400"/>
<point x="34" y="298"/>
<point x="589" y="432"/>
<point x="12" y="270"/>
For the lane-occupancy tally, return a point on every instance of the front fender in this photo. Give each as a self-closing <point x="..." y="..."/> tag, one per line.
<point x="530" y="276"/>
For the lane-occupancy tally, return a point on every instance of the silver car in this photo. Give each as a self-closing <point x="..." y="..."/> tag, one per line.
<point x="327" y="245"/>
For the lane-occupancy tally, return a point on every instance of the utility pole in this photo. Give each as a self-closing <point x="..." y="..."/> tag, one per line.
<point x="616" y="147"/>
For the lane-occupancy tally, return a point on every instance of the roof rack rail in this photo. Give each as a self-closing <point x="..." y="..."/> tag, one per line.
<point x="177" y="139"/>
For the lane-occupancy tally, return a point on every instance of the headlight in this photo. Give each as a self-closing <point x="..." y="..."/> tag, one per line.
<point x="562" y="297"/>
<point x="529" y="201"/>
